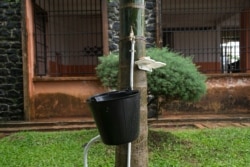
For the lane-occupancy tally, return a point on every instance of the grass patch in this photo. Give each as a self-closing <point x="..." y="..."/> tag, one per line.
<point x="211" y="147"/>
<point x="186" y="148"/>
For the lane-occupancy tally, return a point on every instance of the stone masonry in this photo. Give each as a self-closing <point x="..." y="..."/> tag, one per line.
<point x="114" y="24"/>
<point x="11" y="76"/>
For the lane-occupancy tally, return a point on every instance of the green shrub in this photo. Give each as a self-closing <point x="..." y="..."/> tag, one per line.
<point x="179" y="79"/>
<point x="107" y="70"/>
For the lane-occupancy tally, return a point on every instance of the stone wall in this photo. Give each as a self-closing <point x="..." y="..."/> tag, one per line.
<point x="114" y="24"/>
<point x="11" y="76"/>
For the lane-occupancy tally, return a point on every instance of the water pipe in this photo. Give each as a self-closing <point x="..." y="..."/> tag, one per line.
<point x="86" y="149"/>
<point x="132" y="39"/>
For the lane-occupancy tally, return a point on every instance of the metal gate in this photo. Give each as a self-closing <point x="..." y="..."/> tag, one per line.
<point x="68" y="37"/>
<point x="210" y="31"/>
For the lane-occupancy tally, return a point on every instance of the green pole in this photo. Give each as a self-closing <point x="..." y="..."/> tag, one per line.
<point x="132" y="13"/>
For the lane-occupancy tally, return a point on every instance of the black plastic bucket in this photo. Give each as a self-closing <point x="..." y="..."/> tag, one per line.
<point x="116" y="115"/>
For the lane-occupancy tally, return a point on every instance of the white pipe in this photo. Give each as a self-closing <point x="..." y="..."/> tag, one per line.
<point x="129" y="155"/>
<point x="132" y="64"/>
<point x="86" y="149"/>
<point x="132" y="39"/>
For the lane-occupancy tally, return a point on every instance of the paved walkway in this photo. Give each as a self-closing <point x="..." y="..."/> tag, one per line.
<point x="187" y="121"/>
<point x="180" y="121"/>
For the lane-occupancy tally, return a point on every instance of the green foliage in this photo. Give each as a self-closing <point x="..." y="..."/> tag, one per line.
<point x="207" y="147"/>
<point x="179" y="79"/>
<point x="107" y="70"/>
<point x="182" y="148"/>
<point x="62" y="149"/>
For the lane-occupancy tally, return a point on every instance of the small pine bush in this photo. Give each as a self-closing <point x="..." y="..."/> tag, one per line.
<point x="107" y="70"/>
<point x="179" y="79"/>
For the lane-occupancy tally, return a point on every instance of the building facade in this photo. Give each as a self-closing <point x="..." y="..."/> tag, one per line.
<point x="50" y="48"/>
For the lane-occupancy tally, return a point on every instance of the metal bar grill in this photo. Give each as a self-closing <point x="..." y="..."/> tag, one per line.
<point x="70" y="41"/>
<point x="211" y="31"/>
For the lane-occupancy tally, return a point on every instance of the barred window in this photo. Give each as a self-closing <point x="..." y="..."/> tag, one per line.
<point x="68" y="37"/>
<point x="214" y="32"/>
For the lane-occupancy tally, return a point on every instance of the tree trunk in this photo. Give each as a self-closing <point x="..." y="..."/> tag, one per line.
<point x="132" y="14"/>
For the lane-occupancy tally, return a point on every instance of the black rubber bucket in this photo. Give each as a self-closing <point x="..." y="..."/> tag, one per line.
<point x="116" y="115"/>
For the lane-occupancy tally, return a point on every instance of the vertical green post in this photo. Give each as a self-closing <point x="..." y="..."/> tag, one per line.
<point x="132" y="13"/>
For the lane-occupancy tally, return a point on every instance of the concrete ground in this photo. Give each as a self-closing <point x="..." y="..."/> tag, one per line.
<point x="168" y="122"/>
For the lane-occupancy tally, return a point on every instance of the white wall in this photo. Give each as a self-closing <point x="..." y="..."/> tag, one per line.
<point x="202" y="45"/>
